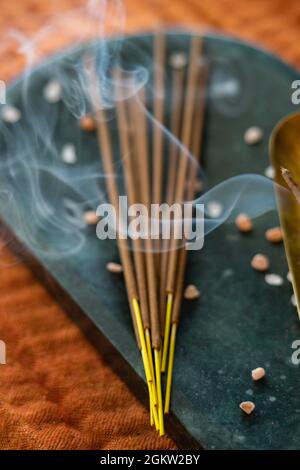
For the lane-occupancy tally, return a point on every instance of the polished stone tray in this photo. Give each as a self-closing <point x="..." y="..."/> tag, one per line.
<point x="240" y="322"/>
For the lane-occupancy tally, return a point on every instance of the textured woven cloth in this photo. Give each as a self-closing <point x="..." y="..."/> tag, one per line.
<point x="56" y="392"/>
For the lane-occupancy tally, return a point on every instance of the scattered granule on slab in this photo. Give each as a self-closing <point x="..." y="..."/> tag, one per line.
<point x="289" y="276"/>
<point x="68" y="154"/>
<point x="244" y="223"/>
<point x="178" y="60"/>
<point x="198" y="186"/>
<point x="294" y="300"/>
<point x="253" y="135"/>
<point x="270" y="172"/>
<point x="273" y="279"/>
<point x="227" y="273"/>
<point x="274" y="235"/>
<point x="87" y="123"/>
<point x="53" y="92"/>
<point x="247" y="407"/>
<point x="260" y="262"/>
<point x="214" y="209"/>
<point x="258" y="373"/>
<point x="191" y="292"/>
<point x="10" y="114"/>
<point x="90" y="217"/>
<point x="114" y="267"/>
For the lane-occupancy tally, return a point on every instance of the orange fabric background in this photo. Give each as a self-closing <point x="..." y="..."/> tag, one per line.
<point x="56" y="392"/>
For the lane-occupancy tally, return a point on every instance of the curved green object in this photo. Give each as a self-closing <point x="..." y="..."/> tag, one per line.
<point x="285" y="152"/>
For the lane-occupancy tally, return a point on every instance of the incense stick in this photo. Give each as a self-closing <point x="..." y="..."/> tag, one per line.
<point x="104" y="142"/>
<point x="178" y="73"/>
<point x="139" y="118"/>
<point x="291" y="183"/>
<point x="158" y="143"/>
<point x="141" y="145"/>
<point x="131" y="188"/>
<point x="189" y="102"/>
<point x="190" y="193"/>
<point x="158" y="109"/>
<point x="113" y="193"/>
<point x="138" y="254"/>
<point x="122" y="245"/>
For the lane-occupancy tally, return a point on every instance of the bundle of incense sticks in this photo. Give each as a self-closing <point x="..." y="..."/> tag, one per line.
<point x="155" y="170"/>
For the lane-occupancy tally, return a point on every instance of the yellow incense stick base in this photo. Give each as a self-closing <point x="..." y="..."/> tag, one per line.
<point x="159" y="393"/>
<point x="170" y="368"/>
<point x="151" y="365"/>
<point x="167" y="332"/>
<point x="145" y="358"/>
<point x="140" y="328"/>
<point x="153" y="408"/>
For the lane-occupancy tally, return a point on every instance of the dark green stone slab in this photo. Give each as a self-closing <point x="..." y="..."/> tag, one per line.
<point x="240" y="322"/>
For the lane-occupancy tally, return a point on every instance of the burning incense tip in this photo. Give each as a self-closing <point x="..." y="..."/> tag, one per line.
<point x="287" y="176"/>
<point x="285" y="172"/>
